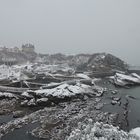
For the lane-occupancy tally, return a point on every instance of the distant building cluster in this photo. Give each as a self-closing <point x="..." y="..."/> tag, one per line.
<point x="14" y="55"/>
<point x="27" y="48"/>
<point x="5" y="49"/>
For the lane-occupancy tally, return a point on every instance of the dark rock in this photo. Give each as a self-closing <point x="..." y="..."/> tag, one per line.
<point x="4" y="111"/>
<point x="99" y="106"/>
<point x="132" y="97"/>
<point x="18" y="114"/>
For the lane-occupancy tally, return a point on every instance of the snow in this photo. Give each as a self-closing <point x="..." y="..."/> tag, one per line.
<point x="128" y="78"/>
<point x="24" y="103"/>
<point x="103" y="56"/>
<point x="31" y="102"/>
<point x="65" y="90"/>
<point x="27" y="95"/>
<point x="51" y="68"/>
<point x="100" y="131"/>
<point x="121" y="82"/>
<point x="83" y="76"/>
<point x="17" y="71"/>
<point x="42" y="100"/>
<point x="7" y="95"/>
<point x="124" y="80"/>
<point x="7" y="72"/>
<point x="93" y="66"/>
<point x="135" y="131"/>
<point x="95" y="80"/>
<point x="135" y="75"/>
<point x="23" y="66"/>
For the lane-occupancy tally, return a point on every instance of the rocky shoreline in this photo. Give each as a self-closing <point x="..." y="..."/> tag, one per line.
<point x="55" y="99"/>
<point x="57" y="121"/>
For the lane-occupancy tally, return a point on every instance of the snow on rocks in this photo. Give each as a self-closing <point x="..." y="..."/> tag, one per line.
<point x="99" y="90"/>
<point x="83" y="76"/>
<point x="136" y="131"/>
<point x="24" y="103"/>
<point x="95" y="80"/>
<point x="65" y="90"/>
<point x="31" y="102"/>
<point x="7" y="95"/>
<point x="128" y="78"/>
<point x="114" y="92"/>
<point x="124" y="80"/>
<point x="27" y="95"/>
<point x="60" y="93"/>
<point x="43" y="101"/>
<point x="100" y="131"/>
<point x="135" y="75"/>
<point x="12" y="73"/>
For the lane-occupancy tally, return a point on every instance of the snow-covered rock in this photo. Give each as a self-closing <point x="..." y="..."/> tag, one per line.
<point x="135" y="75"/>
<point x="26" y="95"/>
<point x="65" y="90"/>
<point x="100" y="131"/>
<point x="13" y="72"/>
<point x="83" y="76"/>
<point x="24" y="103"/>
<point x="124" y="80"/>
<point x="136" y="131"/>
<point x="128" y="78"/>
<point x="31" y="103"/>
<point x="95" y="80"/>
<point x="7" y="95"/>
<point x="43" y="101"/>
<point x="99" y="90"/>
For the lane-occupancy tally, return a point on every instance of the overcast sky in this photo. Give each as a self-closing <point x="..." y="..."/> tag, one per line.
<point x="73" y="26"/>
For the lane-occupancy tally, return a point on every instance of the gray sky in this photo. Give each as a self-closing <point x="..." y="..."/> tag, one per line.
<point x="73" y="26"/>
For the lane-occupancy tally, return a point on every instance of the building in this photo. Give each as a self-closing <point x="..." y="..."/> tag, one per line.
<point x="16" y="50"/>
<point x="28" y="48"/>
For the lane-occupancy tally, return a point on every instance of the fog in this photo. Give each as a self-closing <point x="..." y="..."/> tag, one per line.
<point x="73" y="26"/>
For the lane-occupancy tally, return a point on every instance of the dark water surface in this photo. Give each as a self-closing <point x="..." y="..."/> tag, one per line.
<point x="21" y="134"/>
<point x="132" y="95"/>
